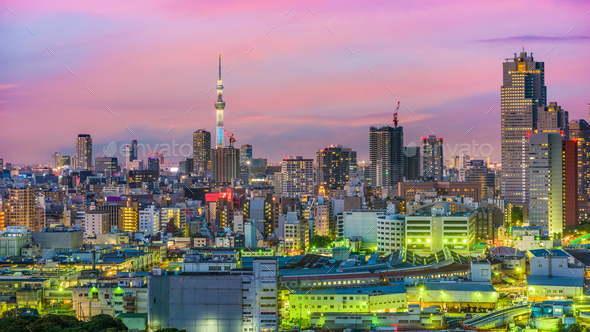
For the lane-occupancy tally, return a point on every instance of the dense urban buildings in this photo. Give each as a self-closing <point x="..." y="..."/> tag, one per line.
<point x="215" y="240"/>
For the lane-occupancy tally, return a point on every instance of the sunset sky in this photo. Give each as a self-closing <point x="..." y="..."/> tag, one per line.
<point x="319" y="73"/>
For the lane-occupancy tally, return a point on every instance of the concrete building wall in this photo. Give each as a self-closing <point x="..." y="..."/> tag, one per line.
<point x="59" y="240"/>
<point x="362" y="223"/>
<point x="196" y="303"/>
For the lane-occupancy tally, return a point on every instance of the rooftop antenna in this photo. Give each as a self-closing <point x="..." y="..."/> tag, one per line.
<point x="395" y="120"/>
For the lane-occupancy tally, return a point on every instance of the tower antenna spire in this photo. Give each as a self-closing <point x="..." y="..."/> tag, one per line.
<point x="219" y="65"/>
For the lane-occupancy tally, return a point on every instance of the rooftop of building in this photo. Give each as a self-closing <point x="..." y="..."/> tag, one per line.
<point x="547" y="252"/>
<point x="555" y="281"/>
<point x="131" y="315"/>
<point x="397" y="261"/>
<point x="457" y="286"/>
<point x="379" y="290"/>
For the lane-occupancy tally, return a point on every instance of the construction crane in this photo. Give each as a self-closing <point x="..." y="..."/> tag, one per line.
<point x="395" y="120"/>
<point x="232" y="140"/>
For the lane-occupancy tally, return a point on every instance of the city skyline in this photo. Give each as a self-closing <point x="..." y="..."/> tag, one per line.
<point x="146" y="77"/>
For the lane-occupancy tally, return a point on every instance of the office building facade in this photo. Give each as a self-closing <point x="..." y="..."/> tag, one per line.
<point x="386" y="156"/>
<point x="431" y="158"/>
<point x="83" y="153"/>
<point x="333" y="166"/>
<point x="523" y="93"/>
<point x="201" y="151"/>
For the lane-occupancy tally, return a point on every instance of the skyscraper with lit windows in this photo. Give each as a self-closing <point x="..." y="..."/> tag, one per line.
<point x="431" y="158"/>
<point x="523" y="93"/>
<point x="201" y="151"/>
<point x="83" y="153"/>
<point x="386" y="156"/>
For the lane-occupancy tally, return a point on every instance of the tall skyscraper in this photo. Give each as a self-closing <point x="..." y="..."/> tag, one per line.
<point x="297" y="177"/>
<point x="431" y="158"/>
<point x="523" y="93"/>
<point x="225" y="164"/>
<point x="245" y="154"/>
<point x="386" y="156"/>
<point x="219" y="107"/>
<point x="580" y="132"/>
<point x="56" y="160"/>
<point x="546" y="182"/>
<point x="201" y="151"/>
<point x="553" y="119"/>
<point x="570" y="183"/>
<point x="83" y="153"/>
<point x="333" y="166"/>
<point x="133" y="152"/>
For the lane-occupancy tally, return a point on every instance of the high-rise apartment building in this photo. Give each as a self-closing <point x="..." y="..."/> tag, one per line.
<point x="333" y="166"/>
<point x="245" y="154"/>
<point x="580" y="132"/>
<point x="546" y="182"/>
<point x="431" y="158"/>
<point x="523" y="93"/>
<point x="297" y="177"/>
<point x="21" y="209"/>
<point x="225" y="164"/>
<point x="201" y="151"/>
<point x="386" y="156"/>
<point x="83" y="153"/>
<point x="570" y="199"/>
<point x="56" y="160"/>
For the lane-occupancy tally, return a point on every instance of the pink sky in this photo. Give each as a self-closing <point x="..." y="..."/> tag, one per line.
<point x="299" y="89"/>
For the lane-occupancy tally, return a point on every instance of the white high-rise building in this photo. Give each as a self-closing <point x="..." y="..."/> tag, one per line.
<point x="362" y="223"/>
<point x="546" y="182"/>
<point x="149" y="220"/>
<point x="390" y="232"/>
<point x="96" y="222"/>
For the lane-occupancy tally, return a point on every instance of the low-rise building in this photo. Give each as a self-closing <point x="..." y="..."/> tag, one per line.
<point x="59" y="238"/>
<point x="13" y="240"/>
<point x="108" y="299"/>
<point x="299" y="307"/>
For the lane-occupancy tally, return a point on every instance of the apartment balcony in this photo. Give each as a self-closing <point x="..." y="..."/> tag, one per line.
<point x="128" y="298"/>
<point x="129" y="307"/>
